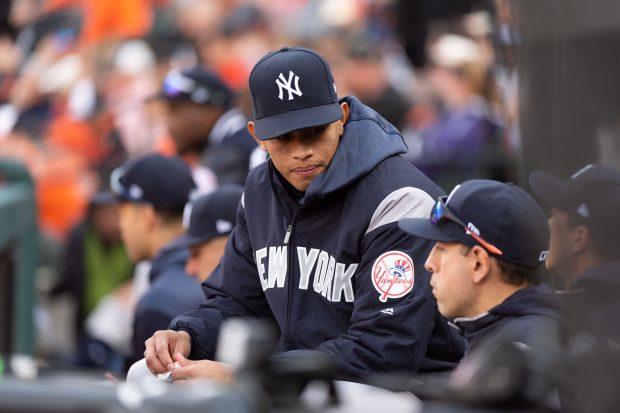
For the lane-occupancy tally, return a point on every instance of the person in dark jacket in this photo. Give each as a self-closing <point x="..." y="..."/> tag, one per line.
<point x="585" y="235"/>
<point x="153" y="191"/>
<point x="491" y="237"/>
<point x="316" y="248"/>
<point x="207" y="128"/>
<point x="209" y="220"/>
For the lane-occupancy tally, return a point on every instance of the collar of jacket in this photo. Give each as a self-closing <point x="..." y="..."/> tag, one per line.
<point x="604" y="276"/>
<point x="538" y="300"/>
<point x="169" y="255"/>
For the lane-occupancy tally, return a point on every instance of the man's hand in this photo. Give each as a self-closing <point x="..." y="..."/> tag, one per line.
<point x="202" y="369"/>
<point x="162" y="346"/>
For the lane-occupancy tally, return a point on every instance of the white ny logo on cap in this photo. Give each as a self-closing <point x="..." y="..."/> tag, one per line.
<point x="283" y="83"/>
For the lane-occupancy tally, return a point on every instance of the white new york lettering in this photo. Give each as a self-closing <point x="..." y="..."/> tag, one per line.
<point x="277" y="266"/>
<point x="342" y="282"/>
<point x="319" y="272"/>
<point x="260" y="254"/>
<point x="326" y="290"/>
<point x="306" y="263"/>
<point x="283" y="83"/>
<point x="331" y="279"/>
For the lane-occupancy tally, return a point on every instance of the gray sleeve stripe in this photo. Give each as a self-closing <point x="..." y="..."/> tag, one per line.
<point x="243" y="199"/>
<point x="403" y="203"/>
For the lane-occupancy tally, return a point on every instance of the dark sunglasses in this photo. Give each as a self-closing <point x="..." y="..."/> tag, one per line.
<point x="442" y="212"/>
<point x="176" y="84"/>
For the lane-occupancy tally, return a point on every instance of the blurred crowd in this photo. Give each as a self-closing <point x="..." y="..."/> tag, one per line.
<point x="79" y="81"/>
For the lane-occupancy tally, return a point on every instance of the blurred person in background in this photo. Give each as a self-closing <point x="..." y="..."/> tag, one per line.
<point x="56" y="103"/>
<point x="208" y="221"/>
<point x="152" y="191"/>
<point x="47" y="36"/>
<point x="466" y="140"/>
<point x="243" y="36"/>
<point x="585" y="235"/>
<point x="125" y="84"/>
<point x="585" y="240"/>
<point x="95" y="265"/>
<point x="206" y="126"/>
<point x="365" y="76"/>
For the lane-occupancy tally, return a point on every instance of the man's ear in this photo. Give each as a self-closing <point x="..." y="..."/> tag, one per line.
<point x="345" y="116"/>
<point x="580" y="239"/>
<point x="253" y="133"/>
<point x="481" y="262"/>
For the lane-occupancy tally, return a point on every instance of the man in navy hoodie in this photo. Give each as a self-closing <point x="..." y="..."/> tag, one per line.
<point x="153" y="191"/>
<point x="491" y="237"/>
<point x="584" y="251"/>
<point x="316" y="248"/>
<point x="585" y="237"/>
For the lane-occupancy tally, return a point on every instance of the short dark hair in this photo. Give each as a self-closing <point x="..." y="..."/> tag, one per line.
<point x="168" y="215"/>
<point x="517" y="274"/>
<point x="514" y="274"/>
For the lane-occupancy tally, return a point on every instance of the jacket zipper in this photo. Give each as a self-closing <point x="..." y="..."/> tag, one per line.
<point x="286" y="241"/>
<point x="287" y="236"/>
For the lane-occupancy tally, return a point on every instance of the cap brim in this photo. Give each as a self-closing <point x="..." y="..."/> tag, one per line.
<point x="548" y="188"/>
<point x="277" y="125"/>
<point x="423" y="228"/>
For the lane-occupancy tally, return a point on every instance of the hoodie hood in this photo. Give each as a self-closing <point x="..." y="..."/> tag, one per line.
<point x="366" y="133"/>
<point x="521" y="307"/>
<point x="538" y="300"/>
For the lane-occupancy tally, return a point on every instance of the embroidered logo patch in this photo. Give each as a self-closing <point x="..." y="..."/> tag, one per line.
<point x="392" y="275"/>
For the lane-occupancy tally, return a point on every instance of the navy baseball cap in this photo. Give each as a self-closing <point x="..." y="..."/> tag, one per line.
<point x="500" y="214"/>
<point x="154" y="179"/>
<point x="196" y="85"/>
<point x="292" y="88"/>
<point x="592" y="193"/>
<point x="212" y="215"/>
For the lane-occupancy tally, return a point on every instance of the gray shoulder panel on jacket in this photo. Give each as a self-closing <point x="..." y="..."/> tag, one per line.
<point x="407" y="202"/>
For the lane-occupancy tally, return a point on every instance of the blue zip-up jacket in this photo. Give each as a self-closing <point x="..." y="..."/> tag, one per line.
<point x="171" y="293"/>
<point x="522" y="317"/>
<point x="333" y="270"/>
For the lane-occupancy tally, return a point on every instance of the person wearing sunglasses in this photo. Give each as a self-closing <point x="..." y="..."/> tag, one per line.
<point x="490" y="239"/>
<point x="207" y="127"/>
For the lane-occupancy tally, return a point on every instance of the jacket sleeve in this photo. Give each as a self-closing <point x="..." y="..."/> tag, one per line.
<point x="232" y="290"/>
<point x="390" y="335"/>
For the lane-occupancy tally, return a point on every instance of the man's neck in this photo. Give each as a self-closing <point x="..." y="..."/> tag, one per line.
<point x="583" y="263"/>
<point x="163" y="236"/>
<point x="493" y="294"/>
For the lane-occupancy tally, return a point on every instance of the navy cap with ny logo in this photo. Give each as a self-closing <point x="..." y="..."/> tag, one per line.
<point x="292" y="88"/>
